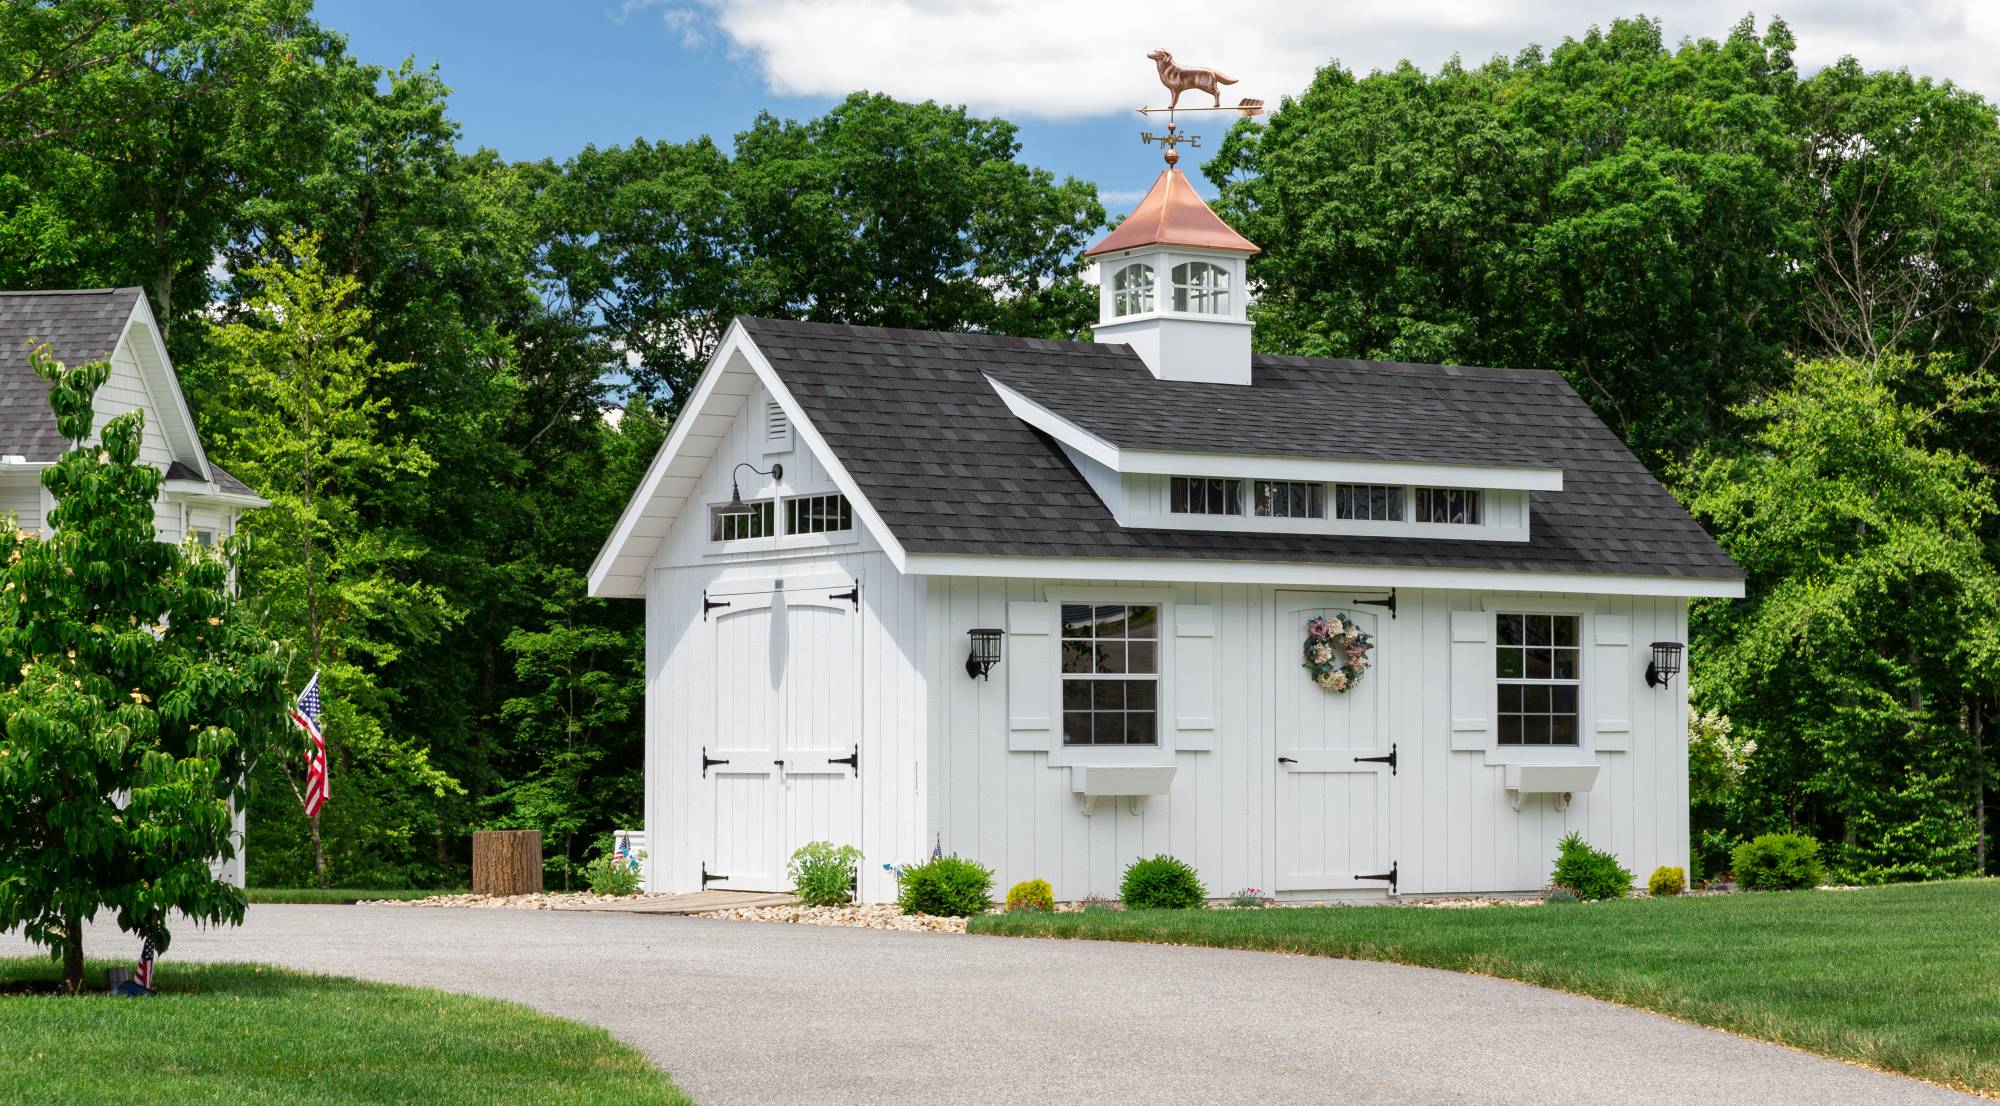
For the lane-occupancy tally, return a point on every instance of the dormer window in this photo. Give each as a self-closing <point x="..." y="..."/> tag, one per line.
<point x="1289" y="499"/>
<point x="1450" y="505"/>
<point x="1368" y="502"/>
<point x="1201" y="288"/>
<point x="1194" y="495"/>
<point x="1132" y="290"/>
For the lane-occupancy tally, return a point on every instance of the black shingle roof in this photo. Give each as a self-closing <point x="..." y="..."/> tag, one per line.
<point x="80" y="327"/>
<point x="951" y="470"/>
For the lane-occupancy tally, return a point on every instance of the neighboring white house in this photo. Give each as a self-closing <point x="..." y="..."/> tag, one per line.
<point x="199" y="501"/>
<point x="1152" y="520"/>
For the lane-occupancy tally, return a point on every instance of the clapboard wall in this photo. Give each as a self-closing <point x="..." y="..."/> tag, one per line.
<point x="1452" y="824"/>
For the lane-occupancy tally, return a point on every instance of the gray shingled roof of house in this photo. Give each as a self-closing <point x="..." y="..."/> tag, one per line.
<point x="80" y="326"/>
<point x="950" y="469"/>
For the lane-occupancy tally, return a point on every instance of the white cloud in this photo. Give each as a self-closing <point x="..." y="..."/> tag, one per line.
<point x="1071" y="59"/>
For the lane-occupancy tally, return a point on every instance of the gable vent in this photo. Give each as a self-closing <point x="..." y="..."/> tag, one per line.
<point x="777" y="428"/>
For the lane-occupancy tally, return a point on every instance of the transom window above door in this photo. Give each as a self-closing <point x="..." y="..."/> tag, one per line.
<point x="1110" y="673"/>
<point x="1537" y="660"/>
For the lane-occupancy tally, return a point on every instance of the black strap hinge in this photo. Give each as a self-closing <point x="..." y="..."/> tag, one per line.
<point x="708" y="605"/>
<point x="852" y="760"/>
<point x="708" y="877"/>
<point x="1389" y="603"/>
<point x="708" y="762"/>
<point x="852" y="595"/>
<point x="1389" y="875"/>
<point x="1389" y="760"/>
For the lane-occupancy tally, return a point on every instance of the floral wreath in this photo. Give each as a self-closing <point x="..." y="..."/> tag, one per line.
<point x="1336" y="651"/>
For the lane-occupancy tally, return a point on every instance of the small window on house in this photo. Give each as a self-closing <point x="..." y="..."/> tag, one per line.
<point x="1110" y="674"/>
<point x="818" y="514"/>
<point x="1289" y="499"/>
<point x="1453" y="505"/>
<point x="726" y="527"/>
<point x="1201" y="288"/>
<point x="1132" y="290"/>
<point x="205" y="538"/>
<point x="1536" y="659"/>
<point x="1195" y="495"/>
<point x="1368" y="502"/>
<point x="777" y="428"/>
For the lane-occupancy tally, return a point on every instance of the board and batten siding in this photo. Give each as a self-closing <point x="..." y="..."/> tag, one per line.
<point x="995" y="796"/>
<point x="681" y="679"/>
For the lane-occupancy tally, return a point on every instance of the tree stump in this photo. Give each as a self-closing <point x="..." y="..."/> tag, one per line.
<point x="506" y="862"/>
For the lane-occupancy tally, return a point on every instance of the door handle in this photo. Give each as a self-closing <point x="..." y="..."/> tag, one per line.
<point x="1286" y="760"/>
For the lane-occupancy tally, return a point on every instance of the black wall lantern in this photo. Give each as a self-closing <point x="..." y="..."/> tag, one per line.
<point x="736" y="506"/>
<point x="1665" y="665"/>
<point x="985" y="653"/>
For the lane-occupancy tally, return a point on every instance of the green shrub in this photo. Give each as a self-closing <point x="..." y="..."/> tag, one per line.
<point x="1666" y="881"/>
<point x="1162" y="883"/>
<point x="1777" y="862"/>
<point x="950" y="886"/>
<point x="1031" y="894"/>
<point x="608" y="875"/>
<point x="823" y="874"/>
<point x="1590" y="872"/>
<point x="1709" y="853"/>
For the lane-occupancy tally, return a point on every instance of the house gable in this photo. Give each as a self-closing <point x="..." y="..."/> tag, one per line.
<point x="738" y="399"/>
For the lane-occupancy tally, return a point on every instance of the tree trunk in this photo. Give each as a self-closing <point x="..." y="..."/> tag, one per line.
<point x="507" y="862"/>
<point x="73" y="954"/>
<point x="1978" y="728"/>
<point x="319" y="850"/>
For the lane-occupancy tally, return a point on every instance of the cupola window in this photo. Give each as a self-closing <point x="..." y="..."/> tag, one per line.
<point x="1201" y="288"/>
<point x="1132" y="290"/>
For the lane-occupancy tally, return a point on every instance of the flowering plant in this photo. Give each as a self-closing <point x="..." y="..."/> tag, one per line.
<point x="1336" y="651"/>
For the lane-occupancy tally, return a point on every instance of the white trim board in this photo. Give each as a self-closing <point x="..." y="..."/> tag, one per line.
<point x="1191" y="571"/>
<point x="1247" y="466"/>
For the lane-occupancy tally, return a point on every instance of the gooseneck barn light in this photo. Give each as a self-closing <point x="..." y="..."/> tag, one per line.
<point x="1665" y="665"/>
<point x="985" y="653"/>
<point x="736" y="506"/>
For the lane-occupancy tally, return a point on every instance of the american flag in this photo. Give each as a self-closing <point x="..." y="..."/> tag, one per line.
<point x="937" y="847"/>
<point x="144" y="976"/>
<point x="306" y="716"/>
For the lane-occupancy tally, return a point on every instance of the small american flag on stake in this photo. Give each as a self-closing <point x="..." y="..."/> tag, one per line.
<point x="144" y="976"/>
<point x="306" y="716"/>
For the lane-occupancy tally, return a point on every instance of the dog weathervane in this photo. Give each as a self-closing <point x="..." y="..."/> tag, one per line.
<point x="1185" y="78"/>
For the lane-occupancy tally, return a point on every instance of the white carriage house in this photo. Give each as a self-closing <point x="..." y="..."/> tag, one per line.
<point x="1046" y="604"/>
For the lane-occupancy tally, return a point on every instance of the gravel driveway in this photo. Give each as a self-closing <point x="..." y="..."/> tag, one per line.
<point x="748" y="1012"/>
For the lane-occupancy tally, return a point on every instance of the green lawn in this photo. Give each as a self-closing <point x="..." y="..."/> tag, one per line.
<point x="1903" y="978"/>
<point x="333" y="894"/>
<point x="248" y="1035"/>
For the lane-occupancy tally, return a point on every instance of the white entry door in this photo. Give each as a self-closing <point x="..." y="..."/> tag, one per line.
<point x="783" y="766"/>
<point x="1334" y="771"/>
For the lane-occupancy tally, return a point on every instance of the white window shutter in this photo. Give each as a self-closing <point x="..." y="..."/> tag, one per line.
<point x="1193" y="677"/>
<point x="1032" y="678"/>
<point x="1473" y="693"/>
<point x="1609" y="687"/>
<point x="777" y="428"/>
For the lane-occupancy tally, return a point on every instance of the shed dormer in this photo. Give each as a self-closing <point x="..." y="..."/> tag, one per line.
<point x="1171" y="286"/>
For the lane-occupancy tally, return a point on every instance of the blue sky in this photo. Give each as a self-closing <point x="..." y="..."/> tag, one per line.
<point x="543" y="78"/>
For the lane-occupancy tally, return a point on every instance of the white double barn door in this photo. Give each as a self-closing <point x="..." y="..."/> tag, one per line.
<point x="781" y="768"/>
<point x="1332" y="795"/>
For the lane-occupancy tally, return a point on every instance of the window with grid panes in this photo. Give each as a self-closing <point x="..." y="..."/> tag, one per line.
<point x="1453" y="505"/>
<point x="1195" y="495"/>
<point x="728" y="527"/>
<point x="1368" y="502"/>
<point x="1538" y="662"/>
<point x="818" y="514"/>
<point x="1289" y="499"/>
<point x="1110" y="674"/>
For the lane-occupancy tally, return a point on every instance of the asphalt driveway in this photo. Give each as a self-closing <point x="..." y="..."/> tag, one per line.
<point x="747" y="1012"/>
